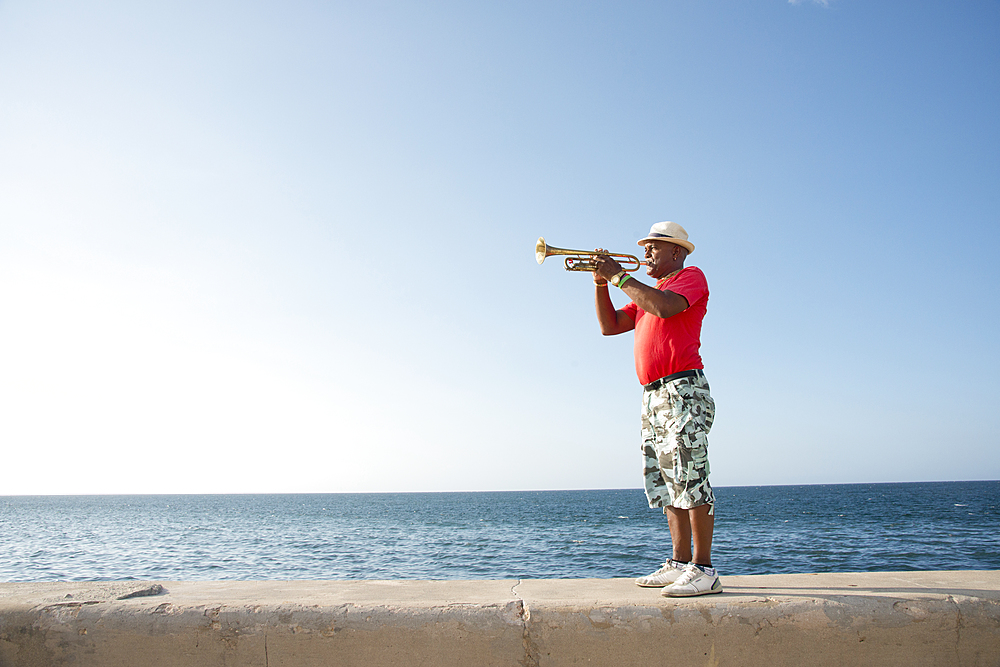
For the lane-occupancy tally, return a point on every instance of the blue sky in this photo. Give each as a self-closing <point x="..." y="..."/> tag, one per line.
<point x="288" y="247"/>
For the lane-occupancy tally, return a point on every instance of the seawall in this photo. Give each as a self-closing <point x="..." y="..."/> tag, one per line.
<point x="902" y="618"/>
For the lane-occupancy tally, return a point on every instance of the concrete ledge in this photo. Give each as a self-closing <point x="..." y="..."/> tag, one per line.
<point x="903" y="618"/>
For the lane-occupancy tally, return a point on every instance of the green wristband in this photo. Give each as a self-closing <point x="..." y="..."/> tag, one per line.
<point x="621" y="283"/>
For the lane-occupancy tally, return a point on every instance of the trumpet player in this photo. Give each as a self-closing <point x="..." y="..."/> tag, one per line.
<point x="677" y="406"/>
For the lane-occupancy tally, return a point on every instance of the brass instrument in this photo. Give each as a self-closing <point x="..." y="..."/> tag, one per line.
<point x="583" y="260"/>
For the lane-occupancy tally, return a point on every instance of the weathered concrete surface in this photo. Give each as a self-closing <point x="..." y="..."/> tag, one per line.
<point x="905" y="618"/>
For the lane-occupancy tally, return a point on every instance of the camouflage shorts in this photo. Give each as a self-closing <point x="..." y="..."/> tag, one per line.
<point x="676" y="419"/>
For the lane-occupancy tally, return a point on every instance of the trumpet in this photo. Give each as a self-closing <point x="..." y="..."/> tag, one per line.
<point x="583" y="260"/>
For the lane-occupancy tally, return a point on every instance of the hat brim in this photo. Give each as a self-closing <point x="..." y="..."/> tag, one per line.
<point x="687" y="245"/>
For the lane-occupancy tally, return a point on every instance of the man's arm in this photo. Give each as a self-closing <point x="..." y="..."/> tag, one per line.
<point x="612" y="321"/>
<point x="661" y="303"/>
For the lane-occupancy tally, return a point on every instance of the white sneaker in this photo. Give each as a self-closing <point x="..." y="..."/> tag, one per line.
<point x="693" y="581"/>
<point x="665" y="575"/>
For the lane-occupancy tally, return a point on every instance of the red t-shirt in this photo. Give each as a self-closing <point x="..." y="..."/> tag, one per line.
<point x="664" y="346"/>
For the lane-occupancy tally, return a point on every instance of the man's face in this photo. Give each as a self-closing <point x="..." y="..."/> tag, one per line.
<point x="661" y="257"/>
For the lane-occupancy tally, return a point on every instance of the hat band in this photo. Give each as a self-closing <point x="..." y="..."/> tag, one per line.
<point x="666" y="236"/>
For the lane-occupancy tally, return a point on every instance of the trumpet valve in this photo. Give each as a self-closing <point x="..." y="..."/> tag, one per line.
<point x="578" y="264"/>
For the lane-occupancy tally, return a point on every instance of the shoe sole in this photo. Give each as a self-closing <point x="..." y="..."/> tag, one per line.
<point x="710" y="591"/>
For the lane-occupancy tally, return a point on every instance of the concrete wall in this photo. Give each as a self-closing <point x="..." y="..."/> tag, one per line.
<point x="910" y="618"/>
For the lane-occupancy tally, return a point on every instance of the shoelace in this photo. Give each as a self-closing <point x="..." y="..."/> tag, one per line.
<point x="657" y="573"/>
<point x="688" y="575"/>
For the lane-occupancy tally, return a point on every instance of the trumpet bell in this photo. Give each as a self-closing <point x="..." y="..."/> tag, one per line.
<point x="541" y="250"/>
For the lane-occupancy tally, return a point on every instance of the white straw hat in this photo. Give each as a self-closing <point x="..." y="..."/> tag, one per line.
<point x="670" y="232"/>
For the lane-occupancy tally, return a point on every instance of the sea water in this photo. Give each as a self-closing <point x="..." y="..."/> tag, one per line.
<point x="492" y="535"/>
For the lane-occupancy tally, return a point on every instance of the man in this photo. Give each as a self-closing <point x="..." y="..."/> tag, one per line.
<point x="677" y="406"/>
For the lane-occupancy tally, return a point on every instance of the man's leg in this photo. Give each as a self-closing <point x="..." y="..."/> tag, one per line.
<point x="679" y="522"/>
<point x="699" y="577"/>
<point x="692" y="527"/>
<point x="702" y="528"/>
<point x="680" y="535"/>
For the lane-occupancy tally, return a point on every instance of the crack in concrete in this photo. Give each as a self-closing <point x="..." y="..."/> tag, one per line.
<point x="530" y="658"/>
<point x="958" y="629"/>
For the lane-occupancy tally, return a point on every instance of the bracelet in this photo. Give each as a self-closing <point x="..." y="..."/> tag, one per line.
<point x="621" y="283"/>
<point x="604" y="284"/>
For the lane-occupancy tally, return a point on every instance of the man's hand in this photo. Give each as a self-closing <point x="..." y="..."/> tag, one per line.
<point x="607" y="267"/>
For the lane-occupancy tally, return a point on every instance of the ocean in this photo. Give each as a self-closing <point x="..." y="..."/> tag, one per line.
<point x="492" y="535"/>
